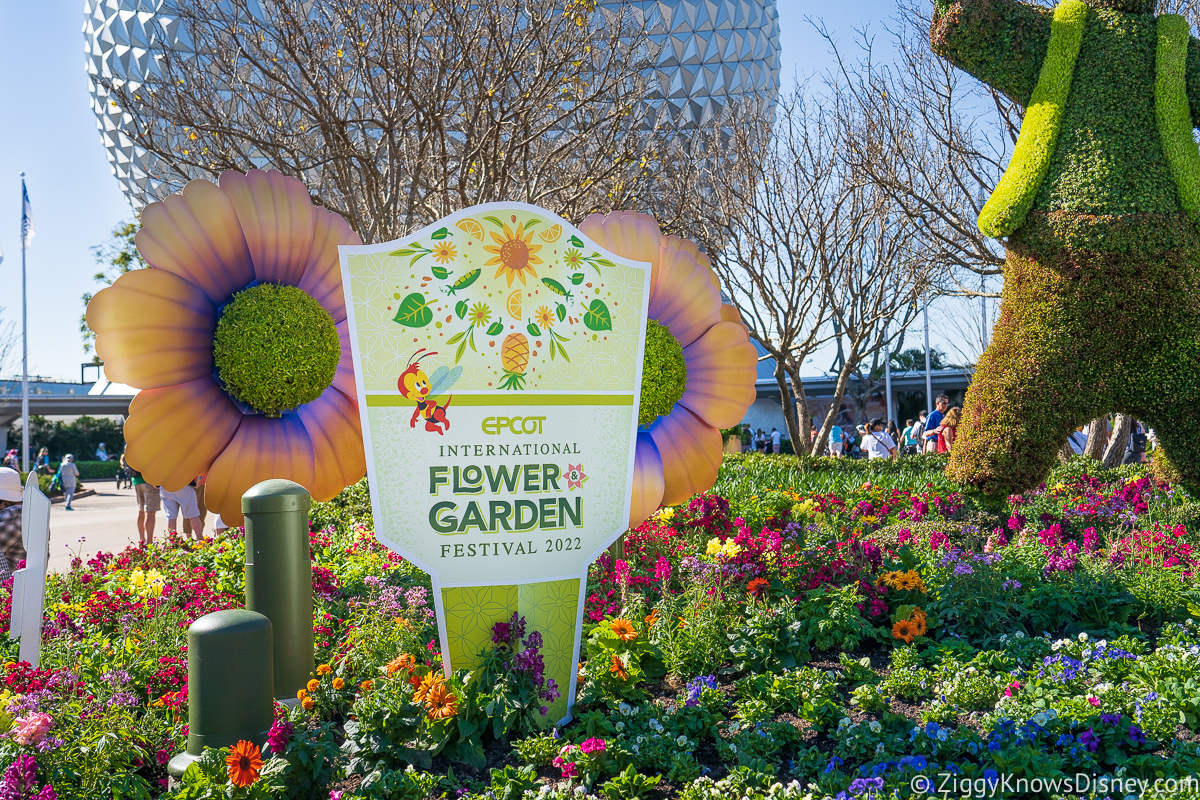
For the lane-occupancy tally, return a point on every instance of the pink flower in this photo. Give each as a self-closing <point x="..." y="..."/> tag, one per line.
<point x="31" y="728"/>
<point x="592" y="746"/>
<point x="1094" y="701"/>
<point x="1015" y="686"/>
<point x="662" y="570"/>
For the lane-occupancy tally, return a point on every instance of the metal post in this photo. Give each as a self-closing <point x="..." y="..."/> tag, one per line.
<point x="887" y="378"/>
<point x="279" y="576"/>
<point x="928" y="371"/>
<point x="24" y="345"/>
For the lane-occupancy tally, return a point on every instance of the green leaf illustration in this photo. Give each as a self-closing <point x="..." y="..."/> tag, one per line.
<point x="441" y="273"/>
<point x="561" y="312"/>
<point x="439" y="234"/>
<point x="496" y="329"/>
<point x="534" y="330"/>
<point x="531" y="222"/>
<point x="575" y="240"/>
<point x="458" y="354"/>
<point x="456" y="337"/>
<point x="414" y="311"/>
<point x="577" y="278"/>
<point x="597" y="317"/>
<point x="461" y="308"/>
<point x="401" y="253"/>
<point x="494" y="221"/>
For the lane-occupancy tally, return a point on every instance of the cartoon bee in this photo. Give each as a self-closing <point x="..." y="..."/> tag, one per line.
<point x="414" y="384"/>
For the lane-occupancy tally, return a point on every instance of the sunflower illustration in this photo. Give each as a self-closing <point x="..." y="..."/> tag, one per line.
<point x="480" y="314"/>
<point x="514" y="253"/>
<point x="544" y="317"/>
<point x="699" y="367"/>
<point x="267" y="397"/>
<point x="444" y="252"/>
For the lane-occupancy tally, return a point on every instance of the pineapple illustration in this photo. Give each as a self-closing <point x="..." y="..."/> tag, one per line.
<point x="514" y="356"/>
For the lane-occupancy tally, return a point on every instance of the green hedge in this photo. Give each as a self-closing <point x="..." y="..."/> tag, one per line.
<point x="94" y="470"/>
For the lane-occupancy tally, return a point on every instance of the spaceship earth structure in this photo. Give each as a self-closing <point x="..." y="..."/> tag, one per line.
<point x="712" y="52"/>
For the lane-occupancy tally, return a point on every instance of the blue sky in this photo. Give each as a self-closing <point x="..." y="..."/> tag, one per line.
<point x="49" y="131"/>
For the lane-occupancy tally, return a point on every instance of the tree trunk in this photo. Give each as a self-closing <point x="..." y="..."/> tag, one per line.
<point x="1114" y="454"/>
<point x="1066" y="453"/>
<point x="801" y="400"/>
<point x="839" y="393"/>
<point x="1096" y="441"/>
<point x="785" y="401"/>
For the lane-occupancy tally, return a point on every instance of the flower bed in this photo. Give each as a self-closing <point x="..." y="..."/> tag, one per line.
<point x="823" y="629"/>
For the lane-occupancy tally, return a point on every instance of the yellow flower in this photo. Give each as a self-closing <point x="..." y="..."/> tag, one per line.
<point x="339" y="684"/>
<point x="308" y="703"/>
<point x="444" y="252"/>
<point x="680" y="453"/>
<point x="514" y="253"/>
<point x="324" y="669"/>
<point x="367" y="685"/>
<point x="544" y="317"/>
<point x="313" y="685"/>
<point x="480" y="314"/>
<point x="301" y="694"/>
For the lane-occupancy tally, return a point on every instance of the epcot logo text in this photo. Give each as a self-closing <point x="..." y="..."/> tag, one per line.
<point x="518" y="425"/>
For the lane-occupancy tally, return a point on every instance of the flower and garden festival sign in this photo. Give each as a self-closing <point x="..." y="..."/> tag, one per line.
<point x="498" y="355"/>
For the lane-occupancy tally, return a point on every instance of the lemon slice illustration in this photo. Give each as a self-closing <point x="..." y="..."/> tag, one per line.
<point x="514" y="305"/>
<point x="471" y="227"/>
<point x="551" y="234"/>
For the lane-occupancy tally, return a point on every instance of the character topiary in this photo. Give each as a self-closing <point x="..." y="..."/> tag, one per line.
<point x="1099" y="208"/>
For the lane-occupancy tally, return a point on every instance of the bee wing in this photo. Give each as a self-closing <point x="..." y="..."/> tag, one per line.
<point x="442" y="379"/>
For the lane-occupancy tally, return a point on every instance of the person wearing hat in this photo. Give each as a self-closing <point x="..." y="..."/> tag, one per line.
<point x="69" y="474"/>
<point x="11" y="544"/>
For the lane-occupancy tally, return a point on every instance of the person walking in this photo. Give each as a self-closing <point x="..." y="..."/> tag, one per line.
<point x="10" y="460"/>
<point x="102" y="452"/>
<point x="12" y="545"/>
<point x="69" y="474"/>
<point x="877" y="441"/>
<point x="187" y="523"/>
<point x="149" y="500"/>
<point x="893" y="432"/>
<point x="760" y="441"/>
<point x="933" y="426"/>
<point x="183" y="502"/>
<point x="1135" y="450"/>
<point x="776" y="437"/>
<point x="837" y="443"/>
<point x="949" y="430"/>
<point x="42" y="462"/>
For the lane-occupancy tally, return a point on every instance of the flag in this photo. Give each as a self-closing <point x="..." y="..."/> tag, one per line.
<point x="27" y="231"/>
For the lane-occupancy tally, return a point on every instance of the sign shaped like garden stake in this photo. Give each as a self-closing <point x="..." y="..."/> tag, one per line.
<point x="498" y="357"/>
<point x="29" y="583"/>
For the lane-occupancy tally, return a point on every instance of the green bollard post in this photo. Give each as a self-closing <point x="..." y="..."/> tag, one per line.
<point x="230" y="692"/>
<point x="279" y="576"/>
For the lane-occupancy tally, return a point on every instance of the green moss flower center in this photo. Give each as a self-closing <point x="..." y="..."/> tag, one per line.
<point x="275" y="348"/>
<point x="664" y="374"/>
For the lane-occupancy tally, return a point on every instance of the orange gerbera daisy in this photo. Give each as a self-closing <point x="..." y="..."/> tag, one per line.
<point x="441" y="703"/>
<point x="623" y="628"/>
<point x="244" y="762"/>
<point x="651" y="618"/>
<point x="514" y="252"/>
<point x="427" y="685"/>
<point x="905" y="631"/>
<point x="231" y="249"/>
<point x="680" y="449"/>
<point x="618" y="668"/>
<point x="757" y="588"/>
<point x="402" y="662"/>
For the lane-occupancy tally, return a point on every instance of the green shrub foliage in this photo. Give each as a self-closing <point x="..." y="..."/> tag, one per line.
<point x="1098" y="312"/>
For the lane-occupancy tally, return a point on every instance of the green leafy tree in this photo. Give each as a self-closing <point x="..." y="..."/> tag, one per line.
<point x="117" y="256"/>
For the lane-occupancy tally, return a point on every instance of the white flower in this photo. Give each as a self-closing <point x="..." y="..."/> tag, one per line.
<point x="624" y="708"/>
<point x="1019" y="635"/>
<point x="733" y="747"/>
<point x="653" y="723"/>
<point x="1102" y="643"/>
<point x="875" y="726"/>
<point x="620" y="726"/>
<point x="1082" y="636"/>
<point x="579" y="790"/>
<point x="635" y="749"/>
<point x="734" y="728"/>
<point x="641" y="739"/>
<point x="843" y="723"/>
<point x="942" y="735"/>
<point x="1004" y="637"/>
<point x="1086" y="654"/>
<point x="879" y="748"/>
<point x="1040" y="718"/>
<point x="682" y="741"/>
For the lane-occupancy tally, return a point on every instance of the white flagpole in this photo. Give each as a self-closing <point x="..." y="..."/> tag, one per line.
<point x="928" y="373"/>
<point x="24" y="344"/>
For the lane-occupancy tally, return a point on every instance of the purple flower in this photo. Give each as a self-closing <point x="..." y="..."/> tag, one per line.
<point x="1090" y="740"/>
<point x="1110" y="719"/>
<point x="277" y="737"/>
<point x="1136" y="736"/>
<point x="1011" y="584"/>
<point x="697" y="687"/>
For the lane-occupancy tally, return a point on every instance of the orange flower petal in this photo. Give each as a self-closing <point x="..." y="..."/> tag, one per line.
<point x="175" y="433"/>
<point x="721" y="368"/>
<point x="647" y="481"/>
<point x="323" y="275"/>
<point x="684" y="300"/>
<point x="691" y="454"/>
<point x="153" y="329"/>
<point x="333" y="426"/>
<point x="276" y="216"/>
<point x="197" y="236"/>
<point x="262" y="449"/>
<point x="629" y="234"/>
<point x="343" y="379"/>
